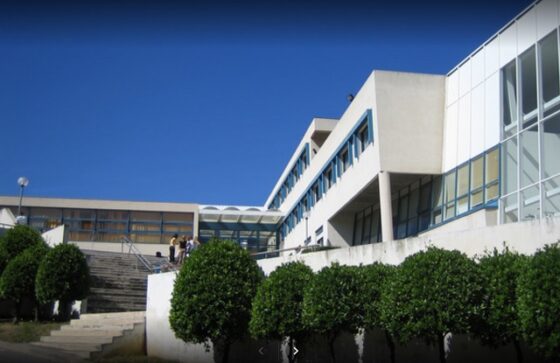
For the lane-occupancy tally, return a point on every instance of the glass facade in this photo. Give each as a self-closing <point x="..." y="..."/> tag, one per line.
<point x="110" y="225"/>
<point x="530" y="148"/>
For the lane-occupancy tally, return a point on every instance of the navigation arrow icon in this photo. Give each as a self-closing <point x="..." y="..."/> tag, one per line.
<point x="261" y="350"/>
<point x="296" y="351"/>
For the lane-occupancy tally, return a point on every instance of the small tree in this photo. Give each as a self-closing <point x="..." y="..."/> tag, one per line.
<point x="18" y="280"/>
<point x="212" y="295"/>
<point x="498" y="323"/>
<point x="63" y="275"/>
<point x="538" y="303"/>
<point x="278" y="305"/>
<point x="375" y="277"/>
<point x="432" y="293"/>
<point x="18" y="239"/>
<point x="332" y="302"/>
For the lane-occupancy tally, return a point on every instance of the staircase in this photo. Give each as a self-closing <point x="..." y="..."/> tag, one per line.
<point x="118" y="282"/>
<point x="96" y="335"/>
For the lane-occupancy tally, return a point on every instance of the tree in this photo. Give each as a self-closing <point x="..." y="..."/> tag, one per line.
<point x="15" y="241"/>
<point x="375" y="276"/>
<point x="63" y="275"/>
<point x="278" y="305"/>
<point x="499" y="323"/>
<point x="332" y="303"/>
<point x="538" y="302"/>
<point x="18" y="279"/>
<point x="432" y="293"/>
<point x="212" y="295"/>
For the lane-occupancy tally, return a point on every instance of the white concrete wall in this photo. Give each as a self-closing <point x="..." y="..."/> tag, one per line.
<point x="55" y="236"/>
<point x="7" y="218"/>
<point x="472" y="113"/>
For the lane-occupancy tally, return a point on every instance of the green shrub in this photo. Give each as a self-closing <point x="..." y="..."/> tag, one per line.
<point x="538" y="303"/>
<point x="432" y="293"/>
<point x="18" y="280"/>
<point x="63" y="275"/>
<point x="17" y="239"/>
<point x="278" y="305"/>
<point x="332" y="302"/>
<point x="375" y="277"/>
<point x="498" y="323"/>
<point x="212" y="295"/>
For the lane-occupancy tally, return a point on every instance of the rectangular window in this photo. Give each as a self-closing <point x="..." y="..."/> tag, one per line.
<point x="491" y="174"/>
<point x="509" y="208"/>
<point x="477" y="181"/>
<point x="551" y="79"/>
<point x="463" y="189"/>
<point x="529" y="87"/>
<point x="344" y="159"/>
<point x="551" y="203"/>
<point x="551" y="145"/>
<point x="449" y="195"/>
<point x="509" y="100"/>
<point x="509" y="166"/>
<point x="328" y="178"/>
<point x="316" y="193"/>
<point x="529" y="166"/>
<point x="363" y="137"/>
<point x="530" y="202"/>
<point x="437" y="193"/>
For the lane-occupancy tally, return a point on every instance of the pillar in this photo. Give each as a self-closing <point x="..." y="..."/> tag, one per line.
<point x="385" y="206"/>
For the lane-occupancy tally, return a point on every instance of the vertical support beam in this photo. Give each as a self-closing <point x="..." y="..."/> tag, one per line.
<point x="385" y="206"/>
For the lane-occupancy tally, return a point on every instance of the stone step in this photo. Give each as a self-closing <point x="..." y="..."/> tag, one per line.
<point x="78" y="339"/>
<point x="117" y="292"/>
<point x="79" y="347"/>
<point x="135" y="315"/>
<point x="117" y="324"/>
<point x="86" y="332"/>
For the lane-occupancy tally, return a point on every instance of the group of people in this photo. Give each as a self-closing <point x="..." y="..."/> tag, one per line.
<point x="186" y="246"/>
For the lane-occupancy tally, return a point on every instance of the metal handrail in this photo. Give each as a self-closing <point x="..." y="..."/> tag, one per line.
<point x="298" y="250"/>
<point x="132" y="248"/>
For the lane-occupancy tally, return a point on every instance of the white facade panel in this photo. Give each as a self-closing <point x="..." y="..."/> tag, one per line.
<point x="450" y="141"/>
<point x="526" y="30"/>
<point x="492" y="111"/>
<point x="477" y="68"/>
<point x="492" y="57"/>
<point x="477" y="121"/>
<point x="547" y="17"/>
<point x="508" y="44"/>
<point x="464" y="129"/>
<point x="452" y="88"/>
<point x="465" y="78"/>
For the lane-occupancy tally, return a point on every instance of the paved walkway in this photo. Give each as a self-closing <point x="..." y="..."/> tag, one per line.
<point x="27" y="353"/>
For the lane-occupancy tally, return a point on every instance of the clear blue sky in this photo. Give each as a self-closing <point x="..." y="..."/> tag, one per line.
<point x="205" y="103"/>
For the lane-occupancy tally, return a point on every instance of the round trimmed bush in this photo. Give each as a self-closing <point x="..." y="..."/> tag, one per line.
<point x="212" y="295"/>
<point x="538" y="302"/>
<point x="18" y="239"/>
<point x="63" y="275"/>
<point x="278" y="305"/>
<point x="432" y="293"/>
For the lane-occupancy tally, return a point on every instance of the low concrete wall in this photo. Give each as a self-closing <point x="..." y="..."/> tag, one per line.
<point x="145" y="248"/>
<point x="524" y="237"/>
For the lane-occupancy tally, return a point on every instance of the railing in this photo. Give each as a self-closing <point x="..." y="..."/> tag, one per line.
<point x="275" y="253"/>
<point x="147" y="264"/>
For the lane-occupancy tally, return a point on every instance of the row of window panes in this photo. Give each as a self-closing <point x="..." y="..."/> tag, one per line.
<point x="521" y="78"/>
<point x="295" y="173"/>
<point x="419" y="206"/>
<point x="353" y="147"/>
<point x="526" y="204"/>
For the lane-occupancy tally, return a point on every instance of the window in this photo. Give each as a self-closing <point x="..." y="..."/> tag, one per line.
<point x="477" y="181"/>
<point x="463" y="189"/>
<point x="509" y="208"/>
<point x="530" y="199"/>
<point x="316" y="193"/>
<point x="551" y="203"/>
<point x="344" y="159"/>
<point x="549" y="68"/>
<point x="491" y="174"/>
<point x="437" y="192"/>
<point x="528" y="66"/>
<point x="509" y="165"/>
<point x="551" y="145"/>
<point x="449" y="196"/>
<point x="363" y="137"/>
<point x="328" y="178"/>
<point x="529" y="157"/>
<point x="509" y="101"/>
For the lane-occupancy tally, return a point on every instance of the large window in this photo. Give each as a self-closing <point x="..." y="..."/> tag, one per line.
<point x="549" y="67"/>
<point x="509" y="101"/>
<point x="529" y="87"/>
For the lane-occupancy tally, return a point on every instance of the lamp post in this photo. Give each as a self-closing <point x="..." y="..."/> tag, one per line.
<point x="23" y="182"/>
<point x="306" y="216"/>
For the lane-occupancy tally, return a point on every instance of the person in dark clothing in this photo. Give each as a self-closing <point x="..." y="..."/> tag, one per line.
<point x="172" y="243"/>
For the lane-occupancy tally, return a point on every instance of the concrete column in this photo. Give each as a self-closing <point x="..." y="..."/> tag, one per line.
<point x="385" y="206"/>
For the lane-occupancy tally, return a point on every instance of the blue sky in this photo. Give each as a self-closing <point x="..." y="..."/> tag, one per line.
<point x="205" y="103"/>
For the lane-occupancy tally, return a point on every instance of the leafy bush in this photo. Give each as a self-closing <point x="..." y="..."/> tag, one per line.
<point x="212" y="295"/>
<point x="332" y="302"/>
<point x="375" y="276"/>
<point x="498" y="323"/>
<point x="16" y="240"/>
<point x="538" y="303"/>
<point x="278" y="305"/>
<point x="432" y="293"/>
<point x="63" y="275"/>
<point x="18" y="280"/>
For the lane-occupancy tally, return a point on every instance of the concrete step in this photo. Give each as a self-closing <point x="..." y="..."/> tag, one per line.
<point x="134" y="315"/>
<point x="99" y="326"/>
<point x="77" y="339"/>
<point x="85" y="332"/>
<point x="79" y="347"/>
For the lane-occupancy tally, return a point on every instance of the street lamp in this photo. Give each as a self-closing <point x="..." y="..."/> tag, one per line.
<point x="23" y="182"/>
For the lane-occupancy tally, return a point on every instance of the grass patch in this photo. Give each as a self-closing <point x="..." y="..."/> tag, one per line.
<point x="26" y="331"/>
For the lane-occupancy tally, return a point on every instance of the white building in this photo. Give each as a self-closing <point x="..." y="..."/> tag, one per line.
<point x="412" y="155"/>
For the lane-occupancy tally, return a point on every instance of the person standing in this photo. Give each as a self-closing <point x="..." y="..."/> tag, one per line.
<point x="182" y="249"/>
<point x="172" y="243"/>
